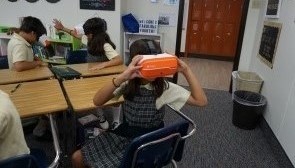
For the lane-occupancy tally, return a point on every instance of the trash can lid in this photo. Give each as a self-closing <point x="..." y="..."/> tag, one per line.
<point x="249" y="98"/>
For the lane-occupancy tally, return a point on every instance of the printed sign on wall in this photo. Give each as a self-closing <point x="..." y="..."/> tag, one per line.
<point x="269" y="41"/>
<point x="273" y="8"/>
<point x="98" y="4"/>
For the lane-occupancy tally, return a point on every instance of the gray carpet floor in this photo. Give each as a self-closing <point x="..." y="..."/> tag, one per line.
<point x="217" y="142"/>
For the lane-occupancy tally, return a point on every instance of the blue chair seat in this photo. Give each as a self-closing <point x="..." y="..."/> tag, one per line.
<point x="157" y="148"/>
<point x="77" y="57"/>
<point x="4" y="62"/>
<point x="37" y="159"/>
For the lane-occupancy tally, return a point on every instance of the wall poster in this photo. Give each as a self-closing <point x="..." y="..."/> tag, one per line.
<point x="269" y="41"/>
<point x="167" y="19"/>
<point x="98" y="4"/>
<point x="273" y="8"/>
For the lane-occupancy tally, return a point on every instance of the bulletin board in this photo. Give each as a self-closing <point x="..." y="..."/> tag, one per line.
<point x="98" y="4"/>
<point x="269" y="41"/>
<point x="273" y="8"/>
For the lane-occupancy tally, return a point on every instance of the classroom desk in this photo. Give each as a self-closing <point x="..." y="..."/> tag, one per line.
<point x="81" y="92"/>
<point x="8" y="76"/>
<point x="85" y="72"/>
<point x="38" y="98"/>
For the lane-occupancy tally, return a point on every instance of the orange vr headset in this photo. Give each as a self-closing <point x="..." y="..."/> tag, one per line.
<point x="159" y="65"/>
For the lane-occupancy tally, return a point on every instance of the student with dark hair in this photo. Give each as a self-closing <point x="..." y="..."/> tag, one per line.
<point x="101" y="49"/>
<point x="21" y="56"/>
<point x="99" y="44"/>
<point x="142" y="113"/>
<point x="19" y="49"/>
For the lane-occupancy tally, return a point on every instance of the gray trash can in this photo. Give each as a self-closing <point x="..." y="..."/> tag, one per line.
<point x="247" y="109"/>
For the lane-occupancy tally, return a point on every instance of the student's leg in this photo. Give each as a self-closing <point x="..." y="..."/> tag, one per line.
<point x="77" y="159"/>
<point x="103" y="122"/>
<point x="112" y="113"/>
<point x="41" y="127"/>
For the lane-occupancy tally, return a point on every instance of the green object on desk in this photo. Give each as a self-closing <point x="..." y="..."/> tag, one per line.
<point x="4" y="29"/>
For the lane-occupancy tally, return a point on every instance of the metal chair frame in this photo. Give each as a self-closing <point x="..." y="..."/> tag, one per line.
<point x="174" y="135"/>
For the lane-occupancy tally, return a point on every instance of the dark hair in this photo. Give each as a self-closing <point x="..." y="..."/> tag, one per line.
<point x="97" y="27"/>
<point x="30" y="24"/>
<point x="145" y="47"/>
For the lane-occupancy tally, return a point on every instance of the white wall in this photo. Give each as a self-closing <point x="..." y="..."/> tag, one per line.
<point x="146" y="10"/>
<point x="279" y="82"/>
<point x="68" y="11"/>
<point x="184" y="25"/>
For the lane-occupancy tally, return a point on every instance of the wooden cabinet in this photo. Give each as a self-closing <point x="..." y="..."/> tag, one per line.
<point x="129" y="38"/>
<point x="213" y="27"/>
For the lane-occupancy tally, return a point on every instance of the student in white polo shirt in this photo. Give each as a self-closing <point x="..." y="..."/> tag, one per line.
<point x="19" y="49"/>
<point x="21" y="56"/>
<point x="12" y="141"/>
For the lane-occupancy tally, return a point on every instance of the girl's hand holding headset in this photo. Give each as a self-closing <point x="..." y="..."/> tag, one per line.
<point x="182" y="66"/>
<point x="132" y="70"/>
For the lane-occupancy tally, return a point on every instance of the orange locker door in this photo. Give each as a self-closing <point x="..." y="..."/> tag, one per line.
<point x="217" y="39"/>
<point x="221" y="11"/>
<point x="230" y="40"/>
<point x="208" y="10"/>
<point x="195" y="38"/>
<point x="196" y="10"/>
<point x="206" y="38"/>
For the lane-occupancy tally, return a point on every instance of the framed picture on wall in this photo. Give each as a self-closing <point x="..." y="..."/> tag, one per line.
<point x="273" y="8"/>
<point x="98" y="4"/>
<point x="269" y="41"/>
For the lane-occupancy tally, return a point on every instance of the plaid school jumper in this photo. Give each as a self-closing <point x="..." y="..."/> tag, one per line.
<point x="140" y="116"/>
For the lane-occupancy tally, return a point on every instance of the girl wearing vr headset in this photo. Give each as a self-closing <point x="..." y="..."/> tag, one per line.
<point x="142" y="108"/>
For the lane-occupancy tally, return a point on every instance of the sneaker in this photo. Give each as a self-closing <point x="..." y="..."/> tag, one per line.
<point x="41" y="128"/>
<point x="114" y="125"/>
<point x="103" y="123"/>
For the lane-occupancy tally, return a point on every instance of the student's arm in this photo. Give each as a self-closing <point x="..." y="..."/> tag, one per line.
<point x="26" y="65"/>
<point x="113" y="62"/>
<point x="106" y="93"/>
<point x="197" y="96"/>
<point x="59" y="26"/>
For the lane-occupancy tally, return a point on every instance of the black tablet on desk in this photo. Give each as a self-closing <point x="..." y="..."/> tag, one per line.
<point x="64" y="72"/>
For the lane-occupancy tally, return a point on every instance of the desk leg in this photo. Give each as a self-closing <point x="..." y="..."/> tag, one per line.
<point x="55" y="142"/>
<point x="73" y="132"/>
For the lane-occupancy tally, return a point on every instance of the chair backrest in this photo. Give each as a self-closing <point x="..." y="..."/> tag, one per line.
<point x="77" y="57"/>
<point x="24" y="161"/>
<point x="157" y="148"/>
<point x="3" y="62"/>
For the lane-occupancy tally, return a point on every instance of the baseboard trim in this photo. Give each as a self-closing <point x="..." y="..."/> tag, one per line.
<point x="214" y="57"/>
<point x="275" y="145"/>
